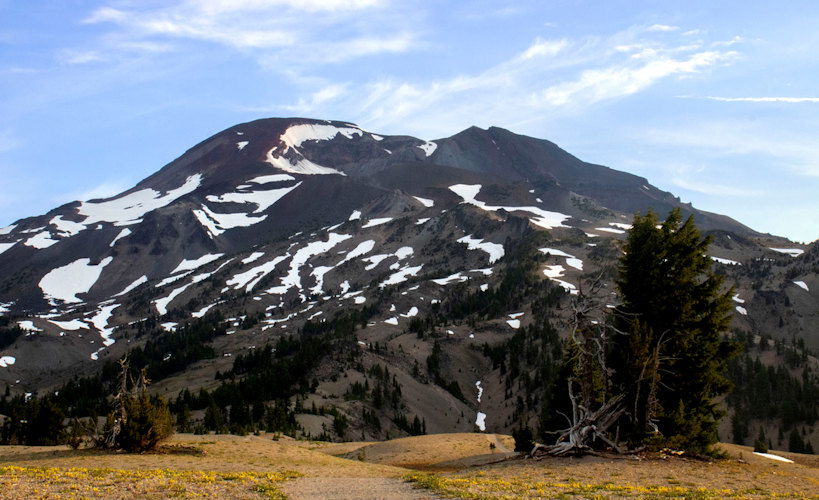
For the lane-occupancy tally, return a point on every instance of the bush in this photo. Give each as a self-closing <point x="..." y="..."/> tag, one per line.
<point x="148" y="423"/>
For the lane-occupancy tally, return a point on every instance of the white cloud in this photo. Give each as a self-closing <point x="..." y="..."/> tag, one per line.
<point x="662" y="27"/>
<point x="318" y="98"/>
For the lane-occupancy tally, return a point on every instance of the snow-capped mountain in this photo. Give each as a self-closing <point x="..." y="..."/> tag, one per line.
<point x="291" y="220"/>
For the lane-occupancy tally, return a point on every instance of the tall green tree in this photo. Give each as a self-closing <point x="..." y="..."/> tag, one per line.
<point x="670" y="359"/>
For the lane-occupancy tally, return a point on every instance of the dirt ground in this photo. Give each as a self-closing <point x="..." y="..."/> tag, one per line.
<point x="467" y="465"/>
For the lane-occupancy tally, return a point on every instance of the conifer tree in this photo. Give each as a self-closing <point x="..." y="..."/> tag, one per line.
<point x="670" y="360"/>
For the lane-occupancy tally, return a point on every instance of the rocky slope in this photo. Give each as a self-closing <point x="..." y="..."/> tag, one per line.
<point x="275" y="223"/>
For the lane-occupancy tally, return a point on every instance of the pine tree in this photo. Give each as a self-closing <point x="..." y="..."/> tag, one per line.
<point x="670" y="361"/>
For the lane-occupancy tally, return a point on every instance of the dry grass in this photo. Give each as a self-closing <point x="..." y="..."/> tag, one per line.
<point x="464" y="465"/>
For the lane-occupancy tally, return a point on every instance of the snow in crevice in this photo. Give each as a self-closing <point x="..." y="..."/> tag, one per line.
<point x="217" y="223"/>
<point x="293" y="277"/>
<point x="495" y="250"/>
<point x="421" y="221"/>
<point x="362" y="248"/>
<point x="802" y="284"/>
<point x="425" y="201"/>
<point x="64" y="283"/>
<point x="250" y="278"/>
<point x="450" y="279"/>
<point x="163" y="303"/>
<point x="543" y="218"/>
<point x="193" y="264"/>
<point x="480" y="390"/>
<point x="6" y="246"/>
<point x="122" y="234"/>
<point x="401" y="254"/>
<point x="252" y="257"/>
<point x="262" y="199"/>
<point x="136" y="283"/>
<point x="401" y="275"/>
<point x="129" y="209"/>
<point x="376" y="222"/>
<point x="100" y="322"/>
<point x="773" y="457"/>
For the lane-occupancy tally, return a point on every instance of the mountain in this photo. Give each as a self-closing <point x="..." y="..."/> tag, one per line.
<point x="288" y="229"/>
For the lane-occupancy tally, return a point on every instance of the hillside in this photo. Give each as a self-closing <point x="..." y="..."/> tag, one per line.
<point x="318" y="279"/>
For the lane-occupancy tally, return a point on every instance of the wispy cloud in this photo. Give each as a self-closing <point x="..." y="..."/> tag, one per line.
<point x="578" y="73"/>
<point x="264" y="28"/>
<point x="714" y="189"/>
<point x="790" y="149"/>
<point x="663" y="27"/>
<point x="763" y="99"/>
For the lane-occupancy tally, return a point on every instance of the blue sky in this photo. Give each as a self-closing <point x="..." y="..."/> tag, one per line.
<point x="717" y="102"/>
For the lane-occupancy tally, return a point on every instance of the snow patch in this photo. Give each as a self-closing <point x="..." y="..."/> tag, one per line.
<point x="610" y="230"/>
<point x="571" y="260"/>
<point x="241" y="145"/>
<point x="6" y="246"/>
<point x="793" y="252"/>
<point x="741" y="310"/>
<point x="736" y="299"/>
<point x="428" y="148"/>
<point x="72" y="325"/>
<point x="130" y="208"/>
<point x="66" y="228"/>
<point x="355" y="215"/>
<point x="725" y="261"/>
<point x="401" y="275"/>
<point x="514" y="323"/>
<point x="392" y="321"/>
<point x="41" y="240"/>
<point x="253" y="257"/>
<point x="266" y="179"/>
<point x="480" y="420"/>
<point x="774" y="457"/>
<point x="64" y="283"/>
<point x="190" y="265"/>
<point x="802" y="284"/>
<point x="6" y="361"/>
<point x="421" y="221"/>
<point x="495" y="250"/>
<point x="251" y="277"/>
<point x="29" y="326"/>
<point x="362" y="248"/>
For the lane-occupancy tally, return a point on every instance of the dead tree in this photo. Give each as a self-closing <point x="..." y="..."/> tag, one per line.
<point x="594" y="409"/>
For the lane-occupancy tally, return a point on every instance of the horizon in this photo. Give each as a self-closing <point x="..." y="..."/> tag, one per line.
<point x="710" y="102"/>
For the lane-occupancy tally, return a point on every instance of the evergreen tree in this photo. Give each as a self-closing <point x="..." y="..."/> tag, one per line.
<point x="670" y="360"/>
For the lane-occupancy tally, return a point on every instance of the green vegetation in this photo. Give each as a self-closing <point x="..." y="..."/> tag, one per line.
<point x="671" y="362"/>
